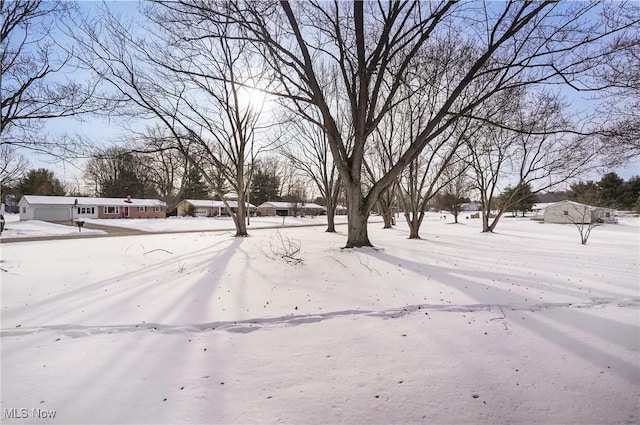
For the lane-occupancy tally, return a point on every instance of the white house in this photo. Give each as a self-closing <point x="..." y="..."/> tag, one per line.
<point x="575" y="212"/>
<point x="538" y="210"/>
<point x="341" y="210"/>
<point x="290" y="209"/>
<point x="61" y="208"/>
<point x="208" y="207"/>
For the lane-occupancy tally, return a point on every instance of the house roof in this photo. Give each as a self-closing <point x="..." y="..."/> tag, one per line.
<point x="209" y="203"/>
<point x="578" y="204"/>
<point x="290" y="205"/>
<point x="541" y="205"/>
<point x="82" y="200"/>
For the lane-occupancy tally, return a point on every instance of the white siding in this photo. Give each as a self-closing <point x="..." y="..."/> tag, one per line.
<point x="49" y="213"/>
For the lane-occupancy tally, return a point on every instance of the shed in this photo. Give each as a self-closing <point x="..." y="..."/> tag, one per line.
<point x="62" y="208"/>
<point x="577" y="213"/>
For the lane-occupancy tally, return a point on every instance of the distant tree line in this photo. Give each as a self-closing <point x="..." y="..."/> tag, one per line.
<point x="611" y="191"/>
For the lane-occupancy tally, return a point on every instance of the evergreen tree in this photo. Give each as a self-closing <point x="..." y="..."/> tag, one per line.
<point x="117" y="174"/>
<point x="587" y="193"/>
<point x="40" y="182"/>
<point x="264" y="187"/>
<point x="194" y="186"/>
<point x="522" y="199"/>
<point x="503" y="200"/>
<point x="525" y="199"/>
<point x="631" y="197"/>
<point x="612" y="191"/>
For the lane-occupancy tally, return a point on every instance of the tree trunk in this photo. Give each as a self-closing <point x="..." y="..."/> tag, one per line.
<point x="485" y="221"/>
<point x="387" y="216"/>
<point x="494" y="223"/>
<point x="455" y="217"/>
<point x="414" y="222"/>
<point x="240" y="219"/>
<point x="385" y="203"/>
<point x="331" y="212"/>
<point x="358" y="215"/>
<point x="414" y="230"/>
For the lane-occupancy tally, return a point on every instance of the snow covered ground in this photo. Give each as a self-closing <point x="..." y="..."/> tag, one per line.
<point x="522" y="326"/>
<point x="181" y="224"/>
<point x="14" y="228"/>
<point x="34" y="228"/>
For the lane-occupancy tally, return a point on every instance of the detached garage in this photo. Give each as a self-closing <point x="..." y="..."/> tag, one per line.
<point x="65" y="208"/>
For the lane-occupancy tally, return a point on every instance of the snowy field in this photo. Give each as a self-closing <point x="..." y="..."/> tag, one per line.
<point x="14" y="228"/>
<point x="522" y="326"/>
<point x="182" y="224"/>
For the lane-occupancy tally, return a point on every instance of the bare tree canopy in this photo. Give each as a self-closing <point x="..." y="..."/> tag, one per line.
<point x="13" y="165"/>
<point x="195" y="86"/>
<point x="307" y="149"/>
<point x="618" y="86"/>
<point x="35" y="82"/>
<point x="480" y="49"/>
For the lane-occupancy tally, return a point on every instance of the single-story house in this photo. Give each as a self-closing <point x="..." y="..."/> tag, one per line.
<point x="208" y="207"/>
<point x="577" y="213"/>
<point x="341" y="210"/>
<point x="10" y="205"/>
<point x="290" y="209"/>
<point x="470" y="206"/>
<point x="61" y="208"/>
<point x="538" y="210"/>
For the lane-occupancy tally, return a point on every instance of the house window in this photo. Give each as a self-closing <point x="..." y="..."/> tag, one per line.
<point x="86" y="210"/>
<point x="565" y="212"/>
<point x="157" y="209"/>
<point x="142" y="209"/>
<point x="607" y="214"/>
<point x="24" y="210"/>
<point x="112" y="210"/>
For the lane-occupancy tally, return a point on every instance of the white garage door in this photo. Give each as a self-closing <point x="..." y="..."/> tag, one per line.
<point x="52" y="214"/>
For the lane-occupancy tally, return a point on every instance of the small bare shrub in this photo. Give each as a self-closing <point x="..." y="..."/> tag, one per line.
<point x="283" y="248"/>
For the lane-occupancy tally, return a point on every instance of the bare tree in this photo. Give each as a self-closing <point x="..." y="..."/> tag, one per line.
<point x="307" y="149"/>
<point x="165" y="166"/>
<point x="34" y="81"/>
<point x="195" y="85"/>
<point x="13" y="166"/>
<point x="581" y="217"/>
<point x="433" y="169"/>
<point x="379" y="159"/>
<point x="617" y="87"/>
<point x="524" y="145"/>
<point x="374" y="44"/>
<point x="456" y="188"/>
